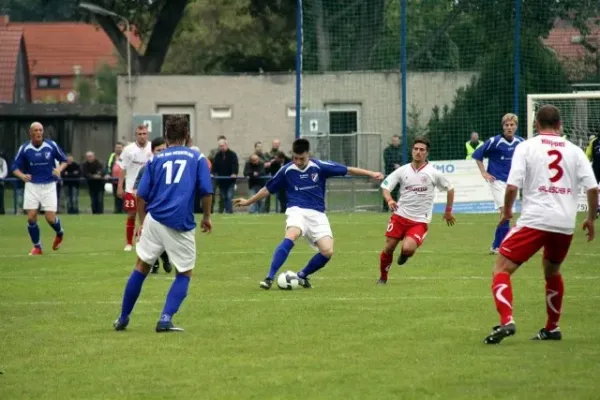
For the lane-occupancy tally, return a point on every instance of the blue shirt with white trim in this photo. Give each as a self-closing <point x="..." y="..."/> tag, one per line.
<point x="306" y="188"/>
<point x="169" y="186"/>
<point x="39" y="162"/>
<point x="499" y="153"/>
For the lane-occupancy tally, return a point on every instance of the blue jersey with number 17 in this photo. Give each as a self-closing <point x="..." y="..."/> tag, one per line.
<point x="306" y="187"/>
<point x="169" y="186"/>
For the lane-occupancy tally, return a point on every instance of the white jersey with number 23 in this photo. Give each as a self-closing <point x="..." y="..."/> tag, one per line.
<point x="551" y="171"/>
<point x="417" y="190"/>
<point x="132" y="159"/>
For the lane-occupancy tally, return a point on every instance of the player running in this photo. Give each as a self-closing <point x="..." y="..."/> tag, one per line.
<point x="35" y="164"/>
<point x="550" y="170"/>
<point x="499" y="152"/>
<point x="413" y="211"/>
<point x="157" y="145"/>
<point x="133" y="157"/>
<point x="168" y="187"/>
<point x="304" y="180"/>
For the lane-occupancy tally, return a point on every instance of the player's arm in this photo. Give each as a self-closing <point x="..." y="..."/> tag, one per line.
<point x="143" y="192"/>
<point x="274" y="185"/>
<point x="18" y="166"/>
<point x="481" y="153"/>
<point x="59" y="156"/>
<point x="515" y="180"/>
<point x="389" y="183"/>
<point x="442" y="183"/>
<point x="364" y="172"/>
<point x="205" y="188"/>
<point x="587" y="180"/>
<point x="123" y="161"/>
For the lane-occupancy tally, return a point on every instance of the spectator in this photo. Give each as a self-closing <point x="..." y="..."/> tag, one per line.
<point x="473" y="144"/>
<point x="266" y="158"/>
<point x="112" y="174"/>
<point x="93" y="172"/>
<point x="279" y="160"/>
<point x="71" y="176"/>
<point x="3" y="175"/>
<point x="392" y="159"/>
<point x="211" y="158"/>
<point x="225" y="168"/>
<point x="254" y="170"/>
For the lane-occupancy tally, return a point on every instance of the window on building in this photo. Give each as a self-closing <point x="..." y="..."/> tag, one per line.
<point x="48" y="82"/>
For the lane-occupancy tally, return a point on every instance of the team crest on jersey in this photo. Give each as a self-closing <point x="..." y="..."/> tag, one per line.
<point x="424" y="179"/>
<point x="314" y="177"/>
<point x="47" y="155"/>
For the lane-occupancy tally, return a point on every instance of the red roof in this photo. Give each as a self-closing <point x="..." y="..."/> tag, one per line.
<point x="9" y="52"/>
<point x="55" y="48"/>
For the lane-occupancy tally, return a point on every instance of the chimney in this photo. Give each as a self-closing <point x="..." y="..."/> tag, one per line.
<point x="4" y="20"/>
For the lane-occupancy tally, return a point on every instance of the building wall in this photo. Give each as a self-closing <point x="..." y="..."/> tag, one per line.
<point x="52" y="95"/>
<point x="259" y="104"/>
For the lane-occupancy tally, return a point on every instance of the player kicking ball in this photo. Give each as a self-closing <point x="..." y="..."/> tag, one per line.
<point x="35" y="165"/>
<point x="168" y="188"/>
<point x="499" y="151"/>
<point x="304" y="180"/>
<point x="412" y="213"/>
<point x="550" y="170"/>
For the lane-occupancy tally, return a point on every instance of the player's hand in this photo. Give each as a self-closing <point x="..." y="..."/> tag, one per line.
<point x="206" y="225"/>
<point x="377" y="175"/>
<point x="233" y="176"/>
<point x="120" y="192"/>
<point x="449" y="218"/>
<point x="138" y="233"/>
<point x="588" y="226"/>
<point x="27" y="178"/>
<point x="240" y="202"/>
<point x="392" y="205"/>
<point x="56" y="172"/>
<point x="488" y="177"/>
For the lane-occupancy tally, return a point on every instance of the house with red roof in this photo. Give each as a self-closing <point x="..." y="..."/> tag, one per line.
<point x="59" y="52"/>
<point x="14" y="69"/>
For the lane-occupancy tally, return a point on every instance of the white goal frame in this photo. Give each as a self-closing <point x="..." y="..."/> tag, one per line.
<point x="531" y="98"/>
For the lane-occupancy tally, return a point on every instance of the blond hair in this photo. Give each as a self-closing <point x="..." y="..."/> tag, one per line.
<point x="510" y="117"/>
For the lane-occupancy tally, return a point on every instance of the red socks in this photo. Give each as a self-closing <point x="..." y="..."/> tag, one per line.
<point x="130" y="228"/>
<point x="555" y="290"/>
<point x="503" y="296"/>
<point x="385" y="262"/>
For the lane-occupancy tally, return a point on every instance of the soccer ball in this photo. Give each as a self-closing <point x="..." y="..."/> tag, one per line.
<point x="287" y="280"/>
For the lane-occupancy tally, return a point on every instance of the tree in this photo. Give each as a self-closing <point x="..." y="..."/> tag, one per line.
<point x="101" y="89"/>
<point x="41" y="10"/>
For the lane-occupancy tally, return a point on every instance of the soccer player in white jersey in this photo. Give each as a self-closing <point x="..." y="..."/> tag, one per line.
<point x="168" y="188"/>
<point x="304" y="180"/>
<point x="35" y="164"/>
<point x="133" y="157"/>
<point x="551" y="171"/>
<point x="413" y="210"/>
<point x="499" y="151"/>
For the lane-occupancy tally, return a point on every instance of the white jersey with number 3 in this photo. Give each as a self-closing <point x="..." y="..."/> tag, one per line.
<point x="551" y="171"/>
<point x="417" y="190"/>
<point x="132" y="159"/>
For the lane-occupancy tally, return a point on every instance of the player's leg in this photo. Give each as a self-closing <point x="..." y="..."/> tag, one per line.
<point x="292" y="233"/>
<point x="519" y="246"/>
<point x="182" y="247"/>
<point x="498" y="190"/>
<point x="413" y="239"/>
<point x="49" y="203"/>
<point x="31" y="203"/>
<point x="148" y="250"/>
<point x="555" y="252"/>
<point x="393" y="235"/>
<point x="325" y="246"/>
<point x="129" y="204"/>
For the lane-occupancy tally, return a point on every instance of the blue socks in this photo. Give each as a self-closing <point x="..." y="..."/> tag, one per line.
<point x="57" y="227"/>
<point x="280" y="255"/>
<point x="132" y="292"/>
<point x="316" y="263"/>
<point x="176" y="295"/>
<point x="501" y="232"/>
<point x="34" y="233"/>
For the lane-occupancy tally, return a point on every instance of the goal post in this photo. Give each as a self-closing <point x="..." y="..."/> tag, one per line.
<point x="580" y="113"/>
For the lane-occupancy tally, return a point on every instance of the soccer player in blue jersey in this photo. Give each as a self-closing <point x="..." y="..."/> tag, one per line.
<point x="168" y="188"/>
<point x="35" y="164"/>
<point x="304" y="180"/>
<point x="499" y="151"/>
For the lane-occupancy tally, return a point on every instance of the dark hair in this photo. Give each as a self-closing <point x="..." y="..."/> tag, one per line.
<point x="119" y="143"/>
<point x="257" y="143"/>
<point x="548" y="116"/>
<point x="422" y="140"/>
<point x="300" y="146"/>
<point x="221" y="137"/>
<point x="157" y="142"/>
<point x="177" y="128"/>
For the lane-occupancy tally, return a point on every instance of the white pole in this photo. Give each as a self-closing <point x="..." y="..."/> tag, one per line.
<point x="530" y="116"/>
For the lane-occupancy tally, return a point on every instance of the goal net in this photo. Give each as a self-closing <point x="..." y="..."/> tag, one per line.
<point x="580" y="113"/>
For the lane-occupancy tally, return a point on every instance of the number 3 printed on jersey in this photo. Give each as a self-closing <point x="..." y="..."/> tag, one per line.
<point x="169" y="173"/>
<point x="555" y="165"/>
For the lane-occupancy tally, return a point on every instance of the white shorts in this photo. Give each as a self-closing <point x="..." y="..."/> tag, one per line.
<point x="40" y="195"/>
<point x="313" y="224"/>
<point x="156" y="238"/>
<point x="498" y="189"/>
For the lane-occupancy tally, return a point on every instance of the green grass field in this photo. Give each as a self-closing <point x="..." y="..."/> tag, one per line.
<point x="419" y="337"/>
